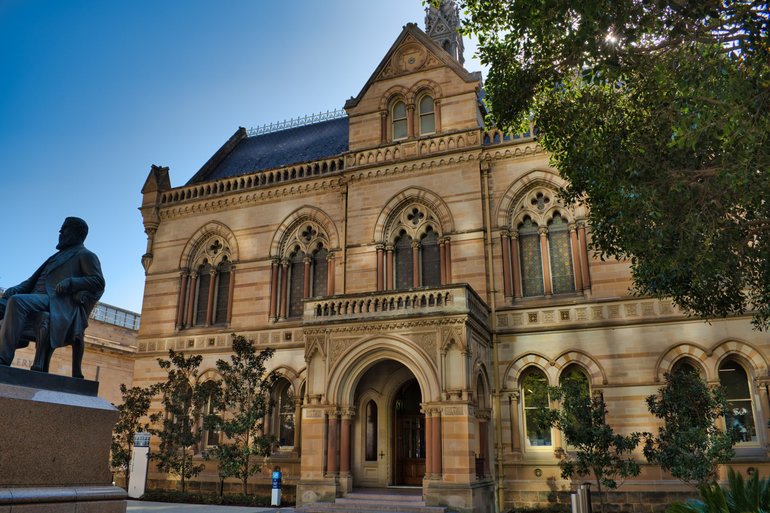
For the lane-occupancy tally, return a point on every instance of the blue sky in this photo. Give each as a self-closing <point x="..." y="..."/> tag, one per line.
<point x="94" y="92"/>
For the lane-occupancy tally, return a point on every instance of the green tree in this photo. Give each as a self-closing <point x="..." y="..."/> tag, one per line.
<point x="133" y="408"/>
<point x="740" y="496"/>
<point x="244" y="392"/>
<point x="658" y="115"/>
<point x="594" y="448"/>
<point x="689" y="444"/>
<point x="183" y="399"/>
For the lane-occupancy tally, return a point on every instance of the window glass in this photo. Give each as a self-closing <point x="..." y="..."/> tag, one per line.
<point x="534" y="393"/>
<point x="562" y="275"/>
<point x="427" y="115"/>
<point x="320" y="272"/>
<point x="740" y="416"/>
<point x="403" y="255"/>
<point x="222" y="293"/>
<point x="371" y="431"/>
<point x="399" y="121"/>
<point x="286" y="417"/>
<point x="431" y="261"/>
<point x="531" y="263"/>
<point x="297" y="283"/>
<point x="202" y="300"/>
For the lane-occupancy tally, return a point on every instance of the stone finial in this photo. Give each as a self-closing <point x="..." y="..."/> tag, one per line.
<point x="442" y="24"/>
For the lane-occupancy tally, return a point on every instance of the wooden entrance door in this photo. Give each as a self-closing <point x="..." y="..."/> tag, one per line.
<point x="409" y="436"/>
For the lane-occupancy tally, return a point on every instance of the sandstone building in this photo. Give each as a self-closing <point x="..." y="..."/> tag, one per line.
<point x="412" y="270"/>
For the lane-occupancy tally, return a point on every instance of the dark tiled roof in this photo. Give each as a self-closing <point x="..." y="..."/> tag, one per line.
<point x="277" y="149"/>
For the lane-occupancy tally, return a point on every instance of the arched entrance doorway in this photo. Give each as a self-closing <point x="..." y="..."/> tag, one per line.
<point x="389" y="428"/>
<point x="408" y="436"/>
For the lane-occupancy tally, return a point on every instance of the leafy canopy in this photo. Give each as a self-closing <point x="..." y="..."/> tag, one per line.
<point x="133" y="408"/>
<point x="658" y="115"/>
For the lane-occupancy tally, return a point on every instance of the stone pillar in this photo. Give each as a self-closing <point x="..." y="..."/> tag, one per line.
<point x="515" y="440"/>
<point x="762" y="385"/>
<point x="545" y="260"/>
<point x="273" y="290"/>
<point x="516" y="270"/>
<point x="436" y="446"/>
<point x="448" y="249"/>
<point x="191" y="299"/>
<point x="410" y="120"/>
<point x="306" y="281"/>
<point x="284" y="296"/>
<point x="297" y="424"/>
<point x="437" y="114"/>
<point x="576" y="258"/>
<point x="384" y="126"/>
<point x="428" y="442"/>
<point x="380" y="267"/>
<point x="345" y="443"/>
<point x="505" y="241"/>
<point x="212" y="289"/>
<point x="442" y="260"/>
<point x="230" y="294"/>
<point x="415" y="263"/>
<point x="391" y="283"/>
<point x="184" y="276"/>
<point x="330" y="271"/>
<point x="331" y="445"/>
<point x="584" y="256"/>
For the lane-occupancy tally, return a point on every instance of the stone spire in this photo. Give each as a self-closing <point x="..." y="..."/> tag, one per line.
<point x="443" y="26"/>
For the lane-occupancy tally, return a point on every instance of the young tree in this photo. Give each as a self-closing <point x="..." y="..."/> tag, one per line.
<point x="183" y="399"/>
<point x="135" y="405"/>
<point x="595" y="449"/>
<point x="245" y="389"/>
<point x="689" y="444"/>
<point x="657" y="114"/>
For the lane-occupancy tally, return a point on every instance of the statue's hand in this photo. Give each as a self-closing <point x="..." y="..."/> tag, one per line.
<point x="63" y="286"/>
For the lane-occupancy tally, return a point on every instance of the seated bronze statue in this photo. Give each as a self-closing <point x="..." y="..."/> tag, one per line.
<point x="53" y="305"/>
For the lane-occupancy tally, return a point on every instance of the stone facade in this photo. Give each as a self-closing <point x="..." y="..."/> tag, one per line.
<point x="409" y="285"/>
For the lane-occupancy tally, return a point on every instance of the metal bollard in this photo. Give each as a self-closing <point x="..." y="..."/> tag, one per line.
<point x="584" y="494"/>
<point x="276" y="495"/>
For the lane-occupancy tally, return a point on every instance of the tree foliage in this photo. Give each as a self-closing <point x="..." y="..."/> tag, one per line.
<point x="243" y="395"/>
<point x="177" y="425"/>
<point x="689" y="444"/>
<point x="594" y="448"/>
<point x="658" y="115"/>
<point x="133" y="408"/>
<point x="740" y="496"/>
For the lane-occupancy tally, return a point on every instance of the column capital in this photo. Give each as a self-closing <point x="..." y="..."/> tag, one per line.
<point x="379" y="246"/>
<point x="307" y="259"/>
<point x="572" y="227"/>
<point x="416" y="244"/>
<point x="542" y="230"/>
<point x="514" y="395"/>
<point x="389" y="247"/>
<point x="184" y="271"/>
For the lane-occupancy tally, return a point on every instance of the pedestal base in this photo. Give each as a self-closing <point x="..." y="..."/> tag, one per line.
<point x="478" y="497"/>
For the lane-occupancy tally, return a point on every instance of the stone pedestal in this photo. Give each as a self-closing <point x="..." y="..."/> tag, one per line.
<point x="55" y="436"/>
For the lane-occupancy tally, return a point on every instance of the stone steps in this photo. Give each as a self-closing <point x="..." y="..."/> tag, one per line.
<point x="374" y="501"/>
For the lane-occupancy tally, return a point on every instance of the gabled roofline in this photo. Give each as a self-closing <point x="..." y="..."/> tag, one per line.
<point x="422" y="37"/>
<point x="219" y="156"/>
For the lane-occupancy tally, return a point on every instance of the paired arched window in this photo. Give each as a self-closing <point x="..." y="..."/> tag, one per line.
<point x="417" y="255"/>
<point x="206" y="288"/>
<point x="740" y="416"/>
<point x="418" y="119"/>
<point x="544" y="253"/>
<point x="305" y="270"/>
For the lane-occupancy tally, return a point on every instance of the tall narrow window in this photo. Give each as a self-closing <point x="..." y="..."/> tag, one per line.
<point x="210" y="437"/>
<point x="202" y="298"/>
<point x="740" y="416"/>
<point x="431" y="261"/>
<point x="562" y="275"/>
<point x="404" y="267"/>
<point x="531" y="262"/>
<point x="222" y="292"/>
<point x="297" y="285"/>
<point x="427" y="115"/>
<point x="371" y="431"/>
<point x="320" y="272"/>
<point x="534" y="392"/>
<point x="399" y="120"/>
<point x="286" y="416"/>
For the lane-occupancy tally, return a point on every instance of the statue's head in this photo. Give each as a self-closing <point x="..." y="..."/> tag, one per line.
<point x="73" y="232"/>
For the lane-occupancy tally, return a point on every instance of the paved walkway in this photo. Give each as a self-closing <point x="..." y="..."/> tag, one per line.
<point x="168" y="507"/>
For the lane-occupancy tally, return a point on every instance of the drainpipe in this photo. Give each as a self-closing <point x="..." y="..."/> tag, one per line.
<point x="486" y="194"/>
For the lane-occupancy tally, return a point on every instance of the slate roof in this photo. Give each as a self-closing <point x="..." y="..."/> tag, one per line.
<point x="278" y="149"/>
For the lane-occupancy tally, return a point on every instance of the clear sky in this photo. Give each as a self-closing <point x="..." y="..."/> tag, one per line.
<point x="94" y="92"/>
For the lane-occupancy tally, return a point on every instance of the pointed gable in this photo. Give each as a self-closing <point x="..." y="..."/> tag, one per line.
<point x="413" y="66"/>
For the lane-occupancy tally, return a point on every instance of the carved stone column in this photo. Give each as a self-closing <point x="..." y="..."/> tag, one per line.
<point x="545" y="260"/>
<point x="345" y="443"/>
<point x="410" y="120"/>
<point x="505" y="241"/>
<point x="428" y="442"/>
<point x="330" y="272"/>
<point x="230" y="294"/>
<point x="184" y="277"/>
<point x="437" y="114"/>
<point x="284" y="294"/>
<point x="212" y="289"/>
<point x="391" y="283"/>
<point x="191" y="299"/>
<point x="576" y="257"/>
<point x="515" y="439"/>
<point x="584" y="255"/>
<point x="306" y="281"/>
<point x="442" y="260"/>
<point x="516" y="270"/>
<point x="448" y="249"/>
<point x="380" y="267"/>
<point x="273" y="290"/>
<point x="436" y="439"/>
<point x="331" y="445"/>
<point x="384" y="126"/>
<point x="415" y="263"/>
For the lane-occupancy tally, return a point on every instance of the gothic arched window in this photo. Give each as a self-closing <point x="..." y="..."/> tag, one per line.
<point x="297" y="285"/>
<point x="531" y="259"/>
<point x="404" y="261"/>
<point x="562" y="274"/>
<point x="202" y="295"/>
<point x="430" y="259"/>
<point x="399" y="122"/>
<point x="740" y="415"/>
<point x="427" y="115"/>
<point x="222" y="292"/>
<point x="320" y="272"/>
